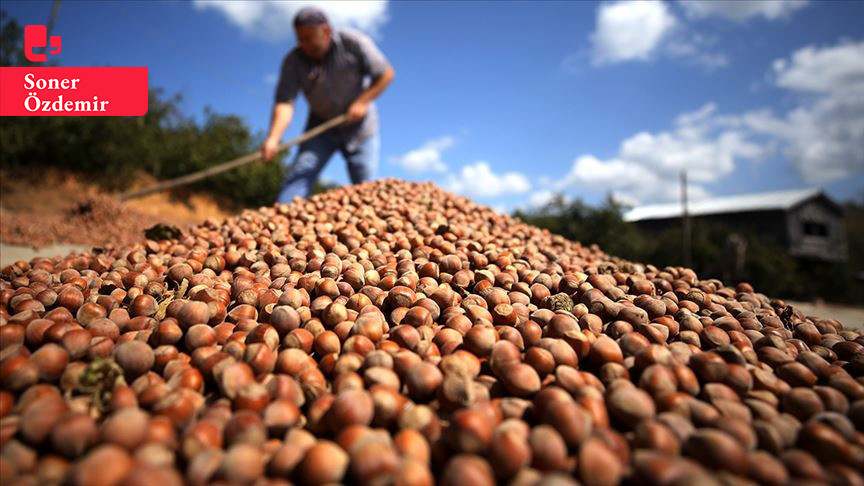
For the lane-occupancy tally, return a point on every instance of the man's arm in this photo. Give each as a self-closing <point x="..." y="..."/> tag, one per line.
<point x="376" y="66"/>
<point x="360" y="106"/>
<point x="283" y="106"/>
<point x="282" y="114"/>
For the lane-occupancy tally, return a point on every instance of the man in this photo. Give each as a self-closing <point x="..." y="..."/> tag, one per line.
<point x="339" y="71"/>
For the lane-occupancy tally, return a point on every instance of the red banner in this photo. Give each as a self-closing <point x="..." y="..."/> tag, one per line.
<point x="73" y="91"/>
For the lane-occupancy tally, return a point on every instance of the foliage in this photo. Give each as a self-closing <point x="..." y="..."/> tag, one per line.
<point x="767" y="265"/>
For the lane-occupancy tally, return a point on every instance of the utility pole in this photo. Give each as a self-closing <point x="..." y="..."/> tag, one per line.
<point x="685" y="220"/>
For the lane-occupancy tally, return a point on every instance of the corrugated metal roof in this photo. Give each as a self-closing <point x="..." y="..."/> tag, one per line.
<point x="764" y="201"/>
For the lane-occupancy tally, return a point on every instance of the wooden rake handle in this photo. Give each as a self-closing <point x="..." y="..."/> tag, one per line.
<point x="231" y="164"/>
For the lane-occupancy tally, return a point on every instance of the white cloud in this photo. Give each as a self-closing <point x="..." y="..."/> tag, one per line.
<point x="272" y="19"/>
<point x="543" y="198"/>
<point x="821" y="136"/>
<point x="741" y="10"/>
<point x="706" y="153"/>
<point x="823" y="70"/>
<point x="588" y="170"/>
<point x="628" y="181"/>
<point x="630" y="30"/>
<point x="824" y="134"/>
<point x="427" y="157"/>
<point x="644" y="30"/>
<point x="540" y="198"/>
<point x="648" y="165"/>
<point x="478" y="180"/>
<point x="695" y="49"/>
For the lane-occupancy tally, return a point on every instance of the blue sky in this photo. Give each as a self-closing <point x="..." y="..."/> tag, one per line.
<point x="510" y="102"/>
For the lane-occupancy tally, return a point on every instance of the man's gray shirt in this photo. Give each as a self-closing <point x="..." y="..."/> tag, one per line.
<point x="330" y="86"/>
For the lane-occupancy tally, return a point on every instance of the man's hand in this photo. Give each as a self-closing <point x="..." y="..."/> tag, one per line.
<point x="269" y="149"/>
<point x="357" y="111"/>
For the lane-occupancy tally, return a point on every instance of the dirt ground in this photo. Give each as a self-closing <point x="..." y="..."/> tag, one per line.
<point x="44" y="207"/>
<point x="849" y="316"/>
<point x="49" y="191"/>
<point x="12" y="253"/>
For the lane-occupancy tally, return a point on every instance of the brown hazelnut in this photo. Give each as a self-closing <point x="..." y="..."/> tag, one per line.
<point x="325" y="462"/>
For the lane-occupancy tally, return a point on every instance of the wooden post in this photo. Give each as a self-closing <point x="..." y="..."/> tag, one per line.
<point x="685" y="221"/>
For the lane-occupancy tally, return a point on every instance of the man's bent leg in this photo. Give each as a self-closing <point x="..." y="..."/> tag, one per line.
<point x="311" y="158"/>
<point x="363" y="160"/>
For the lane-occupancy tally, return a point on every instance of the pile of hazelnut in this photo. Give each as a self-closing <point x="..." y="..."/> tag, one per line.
<point x="393" y="333"/>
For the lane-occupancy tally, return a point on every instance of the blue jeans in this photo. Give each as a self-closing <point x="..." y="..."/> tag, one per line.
<point x="314" y="154"/>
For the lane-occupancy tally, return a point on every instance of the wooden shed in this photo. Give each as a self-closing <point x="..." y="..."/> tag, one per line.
<point x="806" y="222"/>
